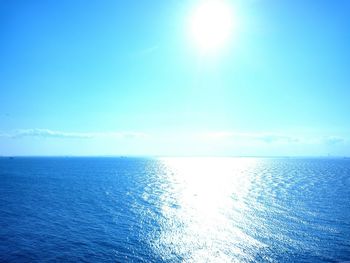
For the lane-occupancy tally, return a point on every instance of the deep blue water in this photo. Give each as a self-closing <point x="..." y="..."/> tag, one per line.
<point x="174" y="210"/>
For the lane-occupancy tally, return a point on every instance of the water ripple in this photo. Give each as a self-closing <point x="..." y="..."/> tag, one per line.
<point x="174" y="210"/>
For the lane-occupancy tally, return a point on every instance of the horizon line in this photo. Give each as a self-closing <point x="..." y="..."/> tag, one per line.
<point x="173" y="156"/>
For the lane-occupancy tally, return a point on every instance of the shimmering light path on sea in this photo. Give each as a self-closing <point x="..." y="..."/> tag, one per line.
<point x="174" y="210"/>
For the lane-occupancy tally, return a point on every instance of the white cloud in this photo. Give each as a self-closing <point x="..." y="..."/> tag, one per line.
<point x="172" y="143"/>
<point x="146" y="51"/>
<point x="209" y="137"/>
<point x="264" y="137"/>
<point x="270" y="138"/>
<point x="47" y="133"/>
<point x="331" y="140"/>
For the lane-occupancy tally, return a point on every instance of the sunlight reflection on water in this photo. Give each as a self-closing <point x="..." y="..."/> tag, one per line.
<point x="205" y="210"/>
<point x="174" y="210"/>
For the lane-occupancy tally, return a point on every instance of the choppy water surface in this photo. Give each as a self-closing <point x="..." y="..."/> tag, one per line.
<point x="174" y="210"/>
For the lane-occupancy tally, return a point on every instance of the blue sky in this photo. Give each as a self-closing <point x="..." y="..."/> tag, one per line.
<point x="123" y="78"/>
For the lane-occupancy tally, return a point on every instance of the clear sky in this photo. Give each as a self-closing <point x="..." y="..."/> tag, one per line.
<point x="127" y="78"/>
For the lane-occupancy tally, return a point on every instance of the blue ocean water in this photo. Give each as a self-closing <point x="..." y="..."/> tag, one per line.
<point x="174" y="210"/>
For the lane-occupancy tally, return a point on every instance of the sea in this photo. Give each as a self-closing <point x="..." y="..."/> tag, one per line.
<point x="75" y="209"/>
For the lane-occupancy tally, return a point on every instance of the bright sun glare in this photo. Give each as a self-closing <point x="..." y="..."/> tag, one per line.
<point x="211" y="25"/>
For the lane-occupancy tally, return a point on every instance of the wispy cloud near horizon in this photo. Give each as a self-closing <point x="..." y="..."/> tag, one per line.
<point x="47" y="133"/>
<point x="173" y="143"/>
<point x="265" y="137"/>
<point x="270" y="137"/>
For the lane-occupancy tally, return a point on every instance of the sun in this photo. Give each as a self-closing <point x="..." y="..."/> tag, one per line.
<point x="211" y="25"/>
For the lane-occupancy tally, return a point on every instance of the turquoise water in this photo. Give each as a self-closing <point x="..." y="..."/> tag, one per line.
<point x="174" y="210"/>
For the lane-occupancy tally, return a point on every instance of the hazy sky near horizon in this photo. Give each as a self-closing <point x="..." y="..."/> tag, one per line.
<point x="125" y="78"/>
